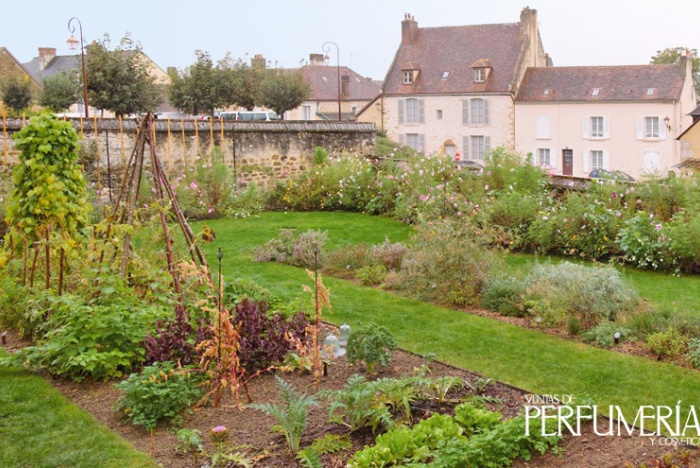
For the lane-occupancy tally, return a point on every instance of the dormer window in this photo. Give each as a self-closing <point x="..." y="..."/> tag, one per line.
<point x="407" y="77"/>
<point x="479" y="75"/>
<point x="409" y="73"/>
<point x="595" y="92"/>
<point x="481" y="69"/>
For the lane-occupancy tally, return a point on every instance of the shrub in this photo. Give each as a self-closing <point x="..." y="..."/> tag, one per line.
<point x="370" y="343"/>
<point x="320" y="156"/>
<point x="669" y="343"/>
<point x="604" y="333"/>
<point x="390" y="254"/>
<point x="371" y="275"/>
<point x="263" y="340"/>
<point x="291" y="414"/>
<point x="345" y="261"/>
<point x="297" y="250"/>
<point x="644" y="242"/>
<point x="693" y="353"/>
<point x="504" y="295"/>
<point x="590" y="294"/>
<point x="160" y="392"/>
<point x="175" y="340"/>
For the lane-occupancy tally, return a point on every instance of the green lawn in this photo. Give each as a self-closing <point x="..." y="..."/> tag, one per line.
<point x="40" y="428"/>
<point x="536" y="361"/>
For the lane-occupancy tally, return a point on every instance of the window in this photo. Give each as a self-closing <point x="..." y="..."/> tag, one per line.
<point x="544" y="157"/>
<point x="546" y="91"/>
<point x="354" y="110"/>
<point x="407" y="77"/>
<point x="479" y="75"/>
<point x="480" y="146"/>
<point x="479" y="112"/>
<point x="439" y="114"/>
<point x="416" y="141"/>
<point x="650" y="91"/>
<point x="651" y="127"/>
<point x="411" y="111"/>
<point x="597" y="160"/>
<point x="445" y="74"/>
<point x="306" y="112"/>
<point x="595" y="92"/>
<point x="596" y="127"/>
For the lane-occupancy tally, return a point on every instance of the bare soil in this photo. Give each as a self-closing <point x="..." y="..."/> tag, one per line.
<point x="252" y="428"/>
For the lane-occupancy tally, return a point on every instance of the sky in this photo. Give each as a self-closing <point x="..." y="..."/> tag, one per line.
<point x="367" y="32"/>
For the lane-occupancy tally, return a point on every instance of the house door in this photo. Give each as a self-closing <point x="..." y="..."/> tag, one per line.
<point x="567" y="161"/>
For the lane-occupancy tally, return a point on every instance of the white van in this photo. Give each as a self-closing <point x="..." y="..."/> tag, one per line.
<point x="249" y="116"/>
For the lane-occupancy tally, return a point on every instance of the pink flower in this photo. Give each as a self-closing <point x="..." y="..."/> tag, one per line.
<point x="420" y="172"/>
<point x="658" y="227"/>
<point x="193" y="185"/>
<point x="423" y="197"/>
<point x="219" y="429"/>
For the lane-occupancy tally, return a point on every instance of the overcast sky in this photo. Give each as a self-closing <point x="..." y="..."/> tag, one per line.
<point x="367" y="32"/>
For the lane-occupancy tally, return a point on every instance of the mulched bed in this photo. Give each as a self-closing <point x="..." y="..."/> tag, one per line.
<point x="251" y="427"/>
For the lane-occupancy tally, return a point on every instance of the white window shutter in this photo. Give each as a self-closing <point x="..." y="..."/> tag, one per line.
<point x="662" y="129"/>
<point x="465" y="112"/>
<point x="606" y="159"/>
<point x="586" y="162"/>
<point x="606" y="128"/>
<point x="585" y="122"/>
<point x="465" y="147"/>
<point x="640" y="128"/>
<point x="402" y="139"/>
<point x="401" y="111"/>
<point x="486" y="111"/>
<point x="421" y="140"/>
<point x="487" y="144"/>
<point x="543" y="127"/>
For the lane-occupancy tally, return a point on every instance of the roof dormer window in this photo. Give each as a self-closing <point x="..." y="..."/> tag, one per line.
<point x="595" y="92"/>
<point x="407" y="77"/>
<point x="479" y="75"/>
<point x="481" y="69"/>
<point x="409" y="73"/>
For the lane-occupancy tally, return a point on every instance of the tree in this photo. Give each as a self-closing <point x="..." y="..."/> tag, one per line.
<point x="59" y="92"/>
<point x="250" y="79"/>
<point x="118" y="80"/>
<point x="17" y="93"/>
<point x="283" y="90"/>
<point x="204" y="87"/>
<point x="673" y="55"/>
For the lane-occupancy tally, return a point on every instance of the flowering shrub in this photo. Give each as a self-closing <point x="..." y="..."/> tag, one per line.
<point x="297" y="250"/>
<point x="644" y="242"/>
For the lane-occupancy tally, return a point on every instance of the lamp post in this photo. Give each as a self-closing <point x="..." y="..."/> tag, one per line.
<point x="73" y="45"/>
<point x="326" y="48"/>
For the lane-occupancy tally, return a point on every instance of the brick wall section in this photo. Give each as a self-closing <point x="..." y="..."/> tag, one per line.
<point x="264" y="151"/>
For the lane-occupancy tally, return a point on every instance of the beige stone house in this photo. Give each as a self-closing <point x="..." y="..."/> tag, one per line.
<point x="11" y="68"/>
<point x="578" y="119"/>
<point x="690" y="140"/>
<point x="451" y="89"/>
<point x="354" y="93"/>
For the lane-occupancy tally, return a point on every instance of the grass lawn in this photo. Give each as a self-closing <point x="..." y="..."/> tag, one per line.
<point x="40" y="428"/>
<point x="529" y="359"/>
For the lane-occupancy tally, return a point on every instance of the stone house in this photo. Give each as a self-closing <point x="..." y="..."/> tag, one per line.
<point x="451" y="89"/>
<point x="626" y="118"/>
<point x="11" y="68"/>
<point x="354" y="93"/>
<point x="690" y="142"/>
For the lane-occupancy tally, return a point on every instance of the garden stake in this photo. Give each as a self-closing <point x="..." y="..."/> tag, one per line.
<point x="36" y="255"/>
<point x="24" y="262"/>
<point x="219" y="255"/>
<point x="61" y="260"/>
<point x="47" y="250"/>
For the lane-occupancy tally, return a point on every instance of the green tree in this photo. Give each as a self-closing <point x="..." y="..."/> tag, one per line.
<point x="59" y="92"/>
<point x="250" y="80"/>
<point x="16" y="93"/>
<point x="673" y="55"/>
<point x="118" y="80"/>
<point x="204" y="87"/>
<point x="283" y="90"/>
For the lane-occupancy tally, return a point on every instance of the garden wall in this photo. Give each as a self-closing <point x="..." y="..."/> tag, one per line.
<point x="258" y="151"/>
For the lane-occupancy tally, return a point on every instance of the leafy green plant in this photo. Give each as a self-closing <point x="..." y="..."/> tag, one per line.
<point x="357" y="405"/>
<point x="189" y="441"/>
<point x="370" y="343"/>
<point x="476" y="420"/>
<point x="294" y="249"/>
<point x="320" y="156"/>
<point x="310" y="457"/>
<point x="371" y="275"/>
<point x="669" y="343"/>
<point x="344" y="261"/>
<point x="693" y="353"/>
<point x="161" y="392"/>
<point x="291" y="414"/>
<point x="441" y="387"/>
<point x="504" y="295"/>
<point x="604" y="333"/>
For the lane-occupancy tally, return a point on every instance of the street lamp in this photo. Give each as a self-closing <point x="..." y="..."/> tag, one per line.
<point x="73" y="45"/>
<point x="326" y="48"/>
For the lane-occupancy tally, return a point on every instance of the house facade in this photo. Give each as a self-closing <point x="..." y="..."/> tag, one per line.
<point x="11" y="68"/>
<point x="574" y="120"/>
<point x="690" y="139"/>
<point x="451" y="90"/>
<point x="352" y="95"/>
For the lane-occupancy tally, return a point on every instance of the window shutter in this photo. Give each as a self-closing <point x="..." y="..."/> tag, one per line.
<point x="465" y="112"/>
<point x="662" y="129"/>
<point x="536" y="157"/>
<point x="585" y="122"/>
<point x="487" y="145"/>
<point x="401" y="111"/>
<point x="586" y="162"/>
<point x="421" y="140"/>
<point x="606" y="128"/>
<point x="640" y="128"/>
<point x="402" y="139"/>
<point x="465" y="146"/>
<point x="606" y="159"/>
<point x="543" y="127"/>
<point x="421" y="111"/>
<point x="486" y="111"/>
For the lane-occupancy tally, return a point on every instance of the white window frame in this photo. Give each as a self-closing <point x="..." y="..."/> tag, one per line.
<point x="541" y="152"/>
<point x="306" y="112"/>
<point x="416" y="141"/>
<point x="478" y="111"/>
<point x="480" y="146"/>
<point x="597" y="127"/>
<point x="414" y="111"/>
<point x="651" y="128"/>
<point x="407" y="77"/>
<point x="597" y="159"/>
<point x="479" y="75"/>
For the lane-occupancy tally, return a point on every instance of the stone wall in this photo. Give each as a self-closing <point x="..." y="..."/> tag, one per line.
<point x="259" y="151"/>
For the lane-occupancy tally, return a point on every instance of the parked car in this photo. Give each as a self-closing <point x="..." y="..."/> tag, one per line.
<point x="611" y="175"/>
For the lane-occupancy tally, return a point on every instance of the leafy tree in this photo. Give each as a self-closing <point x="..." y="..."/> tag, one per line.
<point x="251" y="79"/>
<point x="673" y="55"/>
<point x="16" y="93"/>
<point x="203" y="86"/>
<point x="283" y="90"/>
<point x="118" y="80"/>
<point x="59" y="92"/>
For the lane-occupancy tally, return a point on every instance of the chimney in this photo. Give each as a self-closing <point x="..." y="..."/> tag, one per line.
<point x="258" y="61"/>
<point x="317" y="59"/>
<point x="46" y="54"/>
<point x="528" y="29"/>
<point x="345" y="85"/>
<point x="409" y="29"/>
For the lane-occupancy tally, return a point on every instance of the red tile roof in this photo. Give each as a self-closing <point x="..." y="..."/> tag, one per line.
<point x="615" y="83"/>
<point x="324" y="84"/>
<point x="454" y="49"/>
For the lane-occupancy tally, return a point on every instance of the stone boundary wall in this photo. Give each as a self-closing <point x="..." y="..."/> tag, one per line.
<point x="259" y="151"/>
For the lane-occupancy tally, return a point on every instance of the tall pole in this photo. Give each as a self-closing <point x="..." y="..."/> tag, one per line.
<point x="326" y="48"/>
<point x="73" y="44"/>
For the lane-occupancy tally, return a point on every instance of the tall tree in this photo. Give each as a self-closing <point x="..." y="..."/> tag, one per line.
<point x="16" y="93"/>
<point x="283" y="90"/>
<point x="251" y="79"/>
<point x="59" y="92"/>
<point x="204" y="87"/>
<point x="118" y="80"/>
<point x="673" y="55"/>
